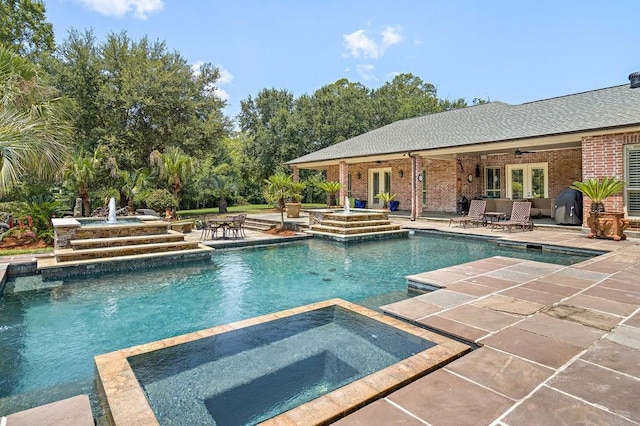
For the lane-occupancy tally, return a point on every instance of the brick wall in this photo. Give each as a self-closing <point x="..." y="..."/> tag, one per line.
<point x="604" y="156"/>
<point x="441" y="185"/>
<point x="564" y="167"/>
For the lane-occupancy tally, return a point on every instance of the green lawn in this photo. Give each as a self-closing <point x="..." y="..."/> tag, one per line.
<point x="249" y="208"/>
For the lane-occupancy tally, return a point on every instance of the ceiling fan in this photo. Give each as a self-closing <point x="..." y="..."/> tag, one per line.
<point x="519" y="153"/>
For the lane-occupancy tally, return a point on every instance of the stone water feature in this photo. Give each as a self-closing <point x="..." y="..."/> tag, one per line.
<point x="84" y="245"/>
<point x="348" y="224"/>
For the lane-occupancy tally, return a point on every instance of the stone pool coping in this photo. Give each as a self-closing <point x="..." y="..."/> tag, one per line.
<point x="124" y="400"/>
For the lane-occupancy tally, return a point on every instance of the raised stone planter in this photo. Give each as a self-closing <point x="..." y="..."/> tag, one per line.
<point x="609" y="225"/>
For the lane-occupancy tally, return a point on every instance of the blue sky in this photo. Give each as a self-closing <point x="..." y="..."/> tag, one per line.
<point x="509" y="51"/>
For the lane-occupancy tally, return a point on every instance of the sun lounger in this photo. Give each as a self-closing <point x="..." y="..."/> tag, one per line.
<point x="475" y="214"/>
<point x="520" y="216"/>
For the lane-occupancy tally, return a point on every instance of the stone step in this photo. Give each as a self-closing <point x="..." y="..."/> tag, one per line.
<point x="341" y="224"/>
<point x="145" y="228"/>
<point x="172" y="236"/>
<point x="355" y="217"/>
<point x="353" y="231"/>
<point x="68" y="255"/>
<point x="258" y="225"/>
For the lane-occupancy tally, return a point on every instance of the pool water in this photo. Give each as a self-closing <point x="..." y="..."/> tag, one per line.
<point x="104" y="222"/>
<point x="223" y="379"/>
<point x="50" y="331"/>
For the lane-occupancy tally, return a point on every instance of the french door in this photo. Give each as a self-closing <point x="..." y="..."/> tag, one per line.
<point x="527" y="181"/>
<point x="379" y="181"/>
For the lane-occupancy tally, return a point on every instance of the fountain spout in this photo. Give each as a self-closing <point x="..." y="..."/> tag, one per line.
<point x="112" y="211"/>
<point x="346" y="204"/>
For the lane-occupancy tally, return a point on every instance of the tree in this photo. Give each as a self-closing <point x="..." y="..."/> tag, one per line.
<point x="174" y="166"/>
<point x="405" y="96"/>
<point x="34" y="123"/>
<point x="81" y="170"/>
<point x="24" y="28"/>
<point x="277" y="191"/>
<point x="136" y="97"/>
<point x="132" y="183"/>
<point x="223" y="187"/>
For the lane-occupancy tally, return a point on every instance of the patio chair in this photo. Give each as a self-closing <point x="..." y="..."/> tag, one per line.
<point x="520" y="216"/>
<point x="236" y="226"/>
<point x="475" y="214"/>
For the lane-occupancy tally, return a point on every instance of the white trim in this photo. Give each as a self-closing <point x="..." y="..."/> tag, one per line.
<point x="526" y="171"/>
<point x="374" y="202"/>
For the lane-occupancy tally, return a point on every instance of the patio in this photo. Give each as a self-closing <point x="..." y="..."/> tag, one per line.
<point x="558" y="345"/>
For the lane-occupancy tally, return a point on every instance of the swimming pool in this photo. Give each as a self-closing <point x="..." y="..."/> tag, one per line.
<point x="50" y="331"/>
<point x="260" y="368"/>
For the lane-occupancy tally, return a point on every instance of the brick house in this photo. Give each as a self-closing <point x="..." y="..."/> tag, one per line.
<point x="494" y="150"/>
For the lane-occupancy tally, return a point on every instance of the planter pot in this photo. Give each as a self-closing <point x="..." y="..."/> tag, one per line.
<point x="609" y="225"/>
<point x="393" y="205"/>
<point x="293" y="209"/>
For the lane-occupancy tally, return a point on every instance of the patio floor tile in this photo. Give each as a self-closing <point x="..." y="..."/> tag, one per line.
<point x="440" y="397"/>
<point x="532" y="295"/>
<point x="615" y="391"/>
<point x="544" y="285"/>
<point x="634" y="321"/>
<point x="576" y="272"/>
<point x="411" y="309"/>
<point x="380" y="413"/>
<point x="454" y="328"/>
<point x="504" y="373"/>
<point x="509" y="305"/>
<point x="614" y="356"/>
<point x="564" y="331"/>
<point x="445" y="298"/>
<point x="470" y="288"/>
<point x="600" y="304"/>
<point x="631" y="286"/>
<point x="439" y="278"/>
<point x="496" y="283"/>
<point x="485" y="319"/>
<point x="531" y="346"/>
<point x="583" y="316"/>
<point x="617" y="295"/>
<point x="550" y="407"/>
<point x="627" y="336"/>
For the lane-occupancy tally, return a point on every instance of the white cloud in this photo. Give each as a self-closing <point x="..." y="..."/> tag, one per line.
<point x="214" y="89"/>
<point x="366" y="72"/>
<point x="360" y="45"/>
<point x="118" y="8"/>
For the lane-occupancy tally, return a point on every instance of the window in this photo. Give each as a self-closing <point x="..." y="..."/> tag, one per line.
<point x="492" y="182"/>
<point x="632" y="179"/>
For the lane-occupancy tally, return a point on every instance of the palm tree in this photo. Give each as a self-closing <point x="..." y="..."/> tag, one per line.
<point x="34" y="124"/>
<point x="174" y="166"/>
<point x="132" y="183"/>
<point x="331" y="188"/>
<point x="223" y="187"/>
<point x="278" y="189"/>
<point x="81" y="170"/>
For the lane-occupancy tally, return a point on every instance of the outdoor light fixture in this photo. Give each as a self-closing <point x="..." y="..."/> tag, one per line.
<point x="401" y="173"/>
<point x="477" y="170"/>
<point x="519" y="153"/>
<point x="359" y="175"/>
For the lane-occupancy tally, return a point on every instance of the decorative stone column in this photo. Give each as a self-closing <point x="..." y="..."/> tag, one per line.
<point x="343" y="174"/>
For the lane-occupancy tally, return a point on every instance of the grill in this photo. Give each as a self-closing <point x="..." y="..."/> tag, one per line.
<point x="568" y="207"/>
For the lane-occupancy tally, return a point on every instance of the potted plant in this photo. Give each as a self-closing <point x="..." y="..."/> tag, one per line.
<point x="162" y="199"/>
<point x="331" y="188"/>
<point x="294" y="198"/>
<point x="386" y="198"/>
<point x="603" y="224"/>
<point x="280" y="188"/>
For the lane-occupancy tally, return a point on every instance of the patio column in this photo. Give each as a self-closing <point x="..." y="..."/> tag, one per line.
<point x="343" y="178"/>
<point x="416" y="189"/>
<point x="296" y="174"/>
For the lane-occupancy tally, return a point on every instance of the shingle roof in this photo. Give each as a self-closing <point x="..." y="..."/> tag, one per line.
<point x="492" y="122"/>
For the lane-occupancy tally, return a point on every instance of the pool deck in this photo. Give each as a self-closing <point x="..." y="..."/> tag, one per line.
<point x="557" y="344"/>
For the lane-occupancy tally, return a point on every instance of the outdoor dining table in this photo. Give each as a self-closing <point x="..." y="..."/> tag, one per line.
<point x="221" y="222"/>
<point x="492" y="218"/>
